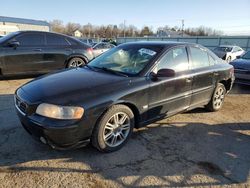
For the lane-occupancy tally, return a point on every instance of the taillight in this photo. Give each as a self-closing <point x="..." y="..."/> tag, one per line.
<point x="232" y="71"/>
<point x="90" y="50"/>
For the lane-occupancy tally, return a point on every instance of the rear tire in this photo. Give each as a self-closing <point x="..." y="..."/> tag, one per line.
<point x="75" y="62"/>
<point x="229" y="59"/>
<point x="217" y="99"/>
<point x="113" y="129"/>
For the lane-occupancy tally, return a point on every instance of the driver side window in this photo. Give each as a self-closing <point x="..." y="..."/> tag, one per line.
<point x="175" y="59"/>
<point x="32" y="39"/>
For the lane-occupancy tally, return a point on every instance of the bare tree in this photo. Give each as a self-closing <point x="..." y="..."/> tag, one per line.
<point x="146" y="31"/>
<point x="114" y="31"/>
<point x="70" y="28"/>
<point x="57" y="26"/>
<point x="202" y="31"/>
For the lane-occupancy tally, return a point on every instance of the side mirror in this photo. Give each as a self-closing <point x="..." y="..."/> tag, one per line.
<point x="238" y="57"/>
<point x="165" y="73"/>
<point x="13" y="44"/>
<point x="162" y="73"/>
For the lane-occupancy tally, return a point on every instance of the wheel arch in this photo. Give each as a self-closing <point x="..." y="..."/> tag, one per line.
<point x="227" y="83"/>
<point x="135" y="111"/>
<point x="130" y="105"/>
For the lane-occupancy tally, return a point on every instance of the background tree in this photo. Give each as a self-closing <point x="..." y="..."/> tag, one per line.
<point x="146" y="31"/>
<point x="114" y="31"/>
<point x="70" y="28"/>
<point x="202" y="31"/>
<point x="57" y="26"/>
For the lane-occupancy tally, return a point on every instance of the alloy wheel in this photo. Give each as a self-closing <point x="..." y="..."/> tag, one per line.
<point x="219" y="97"/>
<point x="116" y="129"/>
<point x="75" y="62"/>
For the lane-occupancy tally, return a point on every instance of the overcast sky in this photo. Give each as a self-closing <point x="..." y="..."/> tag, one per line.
<point x="232" y="17"/>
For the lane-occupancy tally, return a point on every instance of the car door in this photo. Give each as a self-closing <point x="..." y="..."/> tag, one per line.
<point x="27" y="57"/>
<point x="237" y="51"/>
<point x="58" y="49"/>
<point x="169" y="95"/>
<point x="203" y="76"/>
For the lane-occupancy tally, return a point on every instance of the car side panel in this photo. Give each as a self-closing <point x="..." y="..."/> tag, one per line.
<point x="203" y="85"/>
<point x="55" y="57"/>
<point x="134" y="93"/>
<point x="22" y="60"/>
<point x="169" y="95"/>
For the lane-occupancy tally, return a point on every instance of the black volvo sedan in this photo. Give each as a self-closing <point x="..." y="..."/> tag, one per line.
<point x="37" y="52"/>
<point x="130" y="86"/>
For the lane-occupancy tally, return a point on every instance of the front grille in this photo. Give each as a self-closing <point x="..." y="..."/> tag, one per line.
<point x="242" y="71"/>
<point x="21" y="105"/>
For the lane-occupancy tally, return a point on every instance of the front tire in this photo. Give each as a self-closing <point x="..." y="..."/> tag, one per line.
<point x="113" y="129"/>
<point x="217" y="99"/>
<point x="229" y="59"/>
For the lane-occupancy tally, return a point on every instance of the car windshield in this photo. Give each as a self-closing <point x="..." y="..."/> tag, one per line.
<point x="7" y="37"/>
<point x="246" y="55"/>
<point x="129" y="60"/>
<point x="224" y="49"/>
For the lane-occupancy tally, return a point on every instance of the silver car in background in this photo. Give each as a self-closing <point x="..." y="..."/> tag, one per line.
<point x="101" y="47"/>
<point x="228" y="52"/>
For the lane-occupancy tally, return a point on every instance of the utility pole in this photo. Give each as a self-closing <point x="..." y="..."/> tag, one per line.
<point x="182" y="27"/>
<point x="124" y="24"/>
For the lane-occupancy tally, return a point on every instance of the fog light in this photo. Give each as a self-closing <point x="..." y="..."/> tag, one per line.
<point x="43" y="140"/>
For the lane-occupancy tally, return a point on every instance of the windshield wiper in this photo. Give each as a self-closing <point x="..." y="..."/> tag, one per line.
<point x="112" y="71"/>
<point x="90" y="67"/>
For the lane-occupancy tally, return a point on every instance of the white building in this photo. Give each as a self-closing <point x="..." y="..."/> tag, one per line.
<point x="77" y="33"/>
<point x="9" y="24"/>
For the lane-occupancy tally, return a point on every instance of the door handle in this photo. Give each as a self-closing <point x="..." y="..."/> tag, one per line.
<point x="216" y="73"/>
<point x="188" y="80"/>
<point x="38" y="50"/>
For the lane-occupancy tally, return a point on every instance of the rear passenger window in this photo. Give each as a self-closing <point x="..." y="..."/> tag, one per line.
<point x="199" y="58"/>
<point x="175" y="59"/>
<point x="212" y="60"/>
<point x="34" y="39"/>
<point x="54" y="40"/>
<point x="72" y="42"/>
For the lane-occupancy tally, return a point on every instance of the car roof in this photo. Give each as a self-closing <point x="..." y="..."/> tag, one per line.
<point x="230" y="46"/>
<point x="31" y="31"/>
<point x="160" y="43"/>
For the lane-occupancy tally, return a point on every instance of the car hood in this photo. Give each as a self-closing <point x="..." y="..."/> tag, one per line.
<point x="72" y="85"/>
<point x="220" y="54"/>
<point x="241" y="64"/>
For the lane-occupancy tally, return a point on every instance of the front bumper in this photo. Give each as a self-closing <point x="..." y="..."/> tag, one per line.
<point x="57" y="138"/>
<point x="59" y="134"/>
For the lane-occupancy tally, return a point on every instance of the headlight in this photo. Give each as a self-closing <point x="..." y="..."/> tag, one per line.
<point x="59" y="112"/>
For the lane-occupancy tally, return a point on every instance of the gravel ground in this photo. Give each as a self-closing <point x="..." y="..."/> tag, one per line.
<point x="196" y="148"/>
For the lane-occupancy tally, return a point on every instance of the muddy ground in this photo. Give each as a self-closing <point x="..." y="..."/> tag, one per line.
<point x="196" y="148"/>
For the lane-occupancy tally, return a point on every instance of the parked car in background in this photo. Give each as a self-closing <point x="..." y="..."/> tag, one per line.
<point x="101" y="47"/>
<point x="94" y="43"/>
<point x="111" y="41"/>
<point x="32" y="52"/>
<point x="129" y="86"/>
<point x="242" y="69"/>
<point x="86" y="41"/>
<point x="228" y="52"/>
